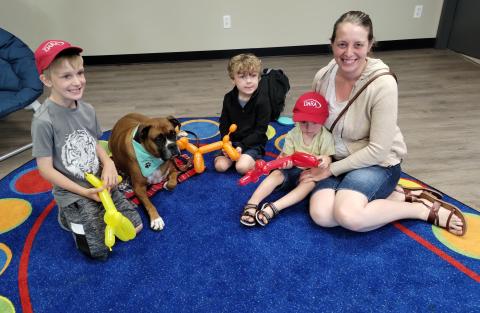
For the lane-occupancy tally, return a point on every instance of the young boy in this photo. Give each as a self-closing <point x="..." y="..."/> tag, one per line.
<point x="309" y="136"/>
<point x="64" y="132"/>
<point x="248" y="107"/>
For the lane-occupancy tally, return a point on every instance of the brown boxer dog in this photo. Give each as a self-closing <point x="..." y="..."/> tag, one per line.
<point x="143" y="148"/>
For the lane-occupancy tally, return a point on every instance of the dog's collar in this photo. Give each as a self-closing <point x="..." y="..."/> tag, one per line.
<point x="147" y="162"/>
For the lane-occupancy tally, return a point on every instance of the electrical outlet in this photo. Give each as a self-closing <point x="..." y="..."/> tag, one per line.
<point x="417" y="12"/>
<point x="227" y="21"/>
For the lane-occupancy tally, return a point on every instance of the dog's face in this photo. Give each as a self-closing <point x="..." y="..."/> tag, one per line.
<point x="159" y="137"/>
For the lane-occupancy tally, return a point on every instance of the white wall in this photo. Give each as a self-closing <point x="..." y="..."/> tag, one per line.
<point x="109" y="27"/>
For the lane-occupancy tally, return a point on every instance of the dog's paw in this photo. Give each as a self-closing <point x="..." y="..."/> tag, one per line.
<point x="181" y="134"/>
<point x="170" y="186"/>
<point x="157" y="224"/>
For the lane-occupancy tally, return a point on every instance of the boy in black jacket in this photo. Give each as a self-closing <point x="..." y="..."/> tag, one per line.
<point x="248" y="107"/>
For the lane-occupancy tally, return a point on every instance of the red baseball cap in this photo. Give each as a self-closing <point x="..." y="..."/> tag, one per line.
<point x="48" y="51"/>
<point x="311" y="107"/>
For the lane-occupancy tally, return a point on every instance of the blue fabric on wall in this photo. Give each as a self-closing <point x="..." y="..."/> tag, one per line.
<point x="19" y="81"/>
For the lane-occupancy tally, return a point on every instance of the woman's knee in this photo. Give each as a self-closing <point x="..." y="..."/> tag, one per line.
<point x="321" y="208"/>
<point x="349" y="218"/>
<point x="322" y="216"/>
<point x="350" y="211"/>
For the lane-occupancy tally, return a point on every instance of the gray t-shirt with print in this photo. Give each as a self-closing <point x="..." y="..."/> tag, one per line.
<point x="69" y="136"/>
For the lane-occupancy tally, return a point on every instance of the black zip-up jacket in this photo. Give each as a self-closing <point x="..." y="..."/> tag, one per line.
<point x="252" y="120"/>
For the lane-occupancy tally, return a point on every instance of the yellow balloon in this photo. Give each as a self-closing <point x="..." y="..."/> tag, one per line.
<point x="112" y="217"/>
<point x="117" y="224"/>
<point x="124" y="229"/>
<point x="109" y="237"/>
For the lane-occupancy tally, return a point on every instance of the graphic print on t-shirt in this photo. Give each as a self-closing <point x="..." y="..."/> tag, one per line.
<point x="79" y="155"/>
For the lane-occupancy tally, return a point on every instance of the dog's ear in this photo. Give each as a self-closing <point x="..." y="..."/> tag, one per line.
<point x="174" y="122"/>
<point x="142" y="133"/>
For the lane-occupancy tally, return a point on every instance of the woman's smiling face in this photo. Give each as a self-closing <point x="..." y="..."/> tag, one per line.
<point x="350" y="48"/>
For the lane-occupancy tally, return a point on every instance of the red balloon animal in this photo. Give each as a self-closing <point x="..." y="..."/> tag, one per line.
<point x="299" y="159"/>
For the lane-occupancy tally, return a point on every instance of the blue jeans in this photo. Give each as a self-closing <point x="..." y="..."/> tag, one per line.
<point x="375" y="182"/>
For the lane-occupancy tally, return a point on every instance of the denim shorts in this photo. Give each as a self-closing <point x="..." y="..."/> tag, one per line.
<point x="291" y="176"/>
<point x="375" y="182"/>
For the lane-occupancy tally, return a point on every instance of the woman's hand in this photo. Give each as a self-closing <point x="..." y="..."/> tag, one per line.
<point x="325" y="161"/>
<point x="315" y="174"/>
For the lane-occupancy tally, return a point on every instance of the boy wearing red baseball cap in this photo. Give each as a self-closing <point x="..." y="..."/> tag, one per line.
<point x="309" y="136"/>
<point x="65" y="130"/>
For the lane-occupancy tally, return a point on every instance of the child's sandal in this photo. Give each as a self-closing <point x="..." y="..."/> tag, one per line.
<point x="266" y="214"/>
<point x="247" y="212"/>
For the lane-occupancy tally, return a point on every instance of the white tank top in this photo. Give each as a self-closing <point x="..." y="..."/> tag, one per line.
<point x="334" y="110"/>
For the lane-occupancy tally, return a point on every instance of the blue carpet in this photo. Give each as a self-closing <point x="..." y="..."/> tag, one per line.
<point x="205" y="261"/>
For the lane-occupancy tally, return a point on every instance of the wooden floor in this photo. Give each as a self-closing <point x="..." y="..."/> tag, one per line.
<point x="439" y="107"/>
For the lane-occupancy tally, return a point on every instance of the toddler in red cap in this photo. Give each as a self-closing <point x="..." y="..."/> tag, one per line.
<point x="309" y="136"/>
<point x="65" y="130"/>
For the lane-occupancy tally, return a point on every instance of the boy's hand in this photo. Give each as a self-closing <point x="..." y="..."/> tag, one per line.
<point x="239" y="149"/>
<point x="287" y="165"/>
<point x="109" y="175"/>
<point x="325" y="161"/>
<point x="45" y="166"/>
<point x="92" y="193"/>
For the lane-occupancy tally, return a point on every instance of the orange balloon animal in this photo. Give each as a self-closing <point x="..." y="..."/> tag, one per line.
<point x="198" y="161"/>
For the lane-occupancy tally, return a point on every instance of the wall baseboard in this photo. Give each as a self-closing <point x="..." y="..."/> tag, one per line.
<point x="261" y="52"/>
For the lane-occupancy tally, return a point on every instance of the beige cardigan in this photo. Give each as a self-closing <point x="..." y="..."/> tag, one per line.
<point x="370" y="132"/>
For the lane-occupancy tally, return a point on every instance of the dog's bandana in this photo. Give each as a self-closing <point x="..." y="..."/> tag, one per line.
<point x="147" y="162"/>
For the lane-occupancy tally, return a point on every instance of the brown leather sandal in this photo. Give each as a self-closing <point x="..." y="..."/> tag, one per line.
<point x="433" y="217"/>
<point x="247" y="212"/>
<point x="264" y="213"/>
<point x="410" y="197"/>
